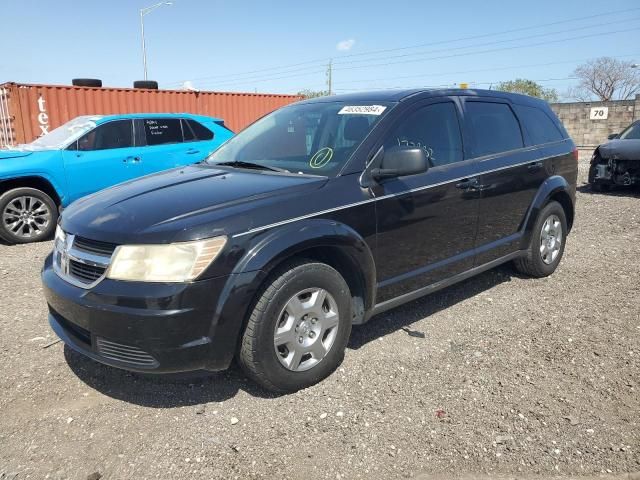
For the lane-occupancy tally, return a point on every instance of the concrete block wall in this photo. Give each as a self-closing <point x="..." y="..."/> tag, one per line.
<point x="588" y="134"/>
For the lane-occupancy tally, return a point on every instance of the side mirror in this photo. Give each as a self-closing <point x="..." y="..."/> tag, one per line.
<point x="400" y="161"/>
<point x="613" y="136"/>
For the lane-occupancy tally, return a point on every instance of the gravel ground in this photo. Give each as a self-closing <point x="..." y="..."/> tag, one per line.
<point x="500" y="375"/>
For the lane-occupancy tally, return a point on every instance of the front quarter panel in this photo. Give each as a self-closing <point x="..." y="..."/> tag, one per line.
<point x="260" y="254"/>
<point x="47" y="165"/>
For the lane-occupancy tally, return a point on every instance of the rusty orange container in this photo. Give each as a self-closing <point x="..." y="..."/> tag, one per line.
<point x="28" y="111"/>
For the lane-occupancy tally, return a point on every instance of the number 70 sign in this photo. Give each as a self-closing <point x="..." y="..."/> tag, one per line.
<point x="599" y="113"/>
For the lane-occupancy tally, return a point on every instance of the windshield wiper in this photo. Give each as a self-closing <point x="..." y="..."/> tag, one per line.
<point x="255" y="166"/>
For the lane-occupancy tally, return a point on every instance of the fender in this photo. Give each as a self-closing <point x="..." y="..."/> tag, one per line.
<point x="263" y="253"/>
<point x="268" y="250"/>
<point x="551" y="186"/>
<point x="43" y="165"/>
<point x="40" y="176"/>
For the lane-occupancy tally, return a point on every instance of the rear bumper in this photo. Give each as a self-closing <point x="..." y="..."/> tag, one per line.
<point x="146" y="327"/>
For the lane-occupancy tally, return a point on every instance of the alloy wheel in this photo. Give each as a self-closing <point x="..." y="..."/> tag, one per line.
<point x="26" y="216"/>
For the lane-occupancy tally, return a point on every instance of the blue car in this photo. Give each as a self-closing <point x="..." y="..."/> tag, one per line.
<point x="90" y="153"/>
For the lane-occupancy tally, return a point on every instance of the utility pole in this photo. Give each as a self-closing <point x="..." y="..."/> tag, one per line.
<point x="143" y="12"/>
<point x="329" y="72"/>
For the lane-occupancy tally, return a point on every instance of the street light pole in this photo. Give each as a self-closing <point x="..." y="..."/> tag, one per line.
<point x="143" y="12"/>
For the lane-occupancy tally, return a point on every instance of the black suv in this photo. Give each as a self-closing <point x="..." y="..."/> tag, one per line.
<point x="313" y="219"/>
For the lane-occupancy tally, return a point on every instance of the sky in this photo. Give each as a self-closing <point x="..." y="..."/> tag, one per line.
<point x="285" y="46"/>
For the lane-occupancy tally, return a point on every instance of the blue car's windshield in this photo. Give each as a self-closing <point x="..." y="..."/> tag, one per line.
<point x="64" y="134"/>
<point x="314" y="138"/>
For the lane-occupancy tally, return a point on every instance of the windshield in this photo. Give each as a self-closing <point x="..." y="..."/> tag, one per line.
<point x="313" y="138"/>
<point x="632" y="132"/>
<point x="64" y="134"/>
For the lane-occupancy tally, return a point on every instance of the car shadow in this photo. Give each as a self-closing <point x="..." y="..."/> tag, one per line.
<point x="615" y="191"/>
<point x="162" y="391"/>
<point x="399" y="318"/>
<point x="195" y="388"/>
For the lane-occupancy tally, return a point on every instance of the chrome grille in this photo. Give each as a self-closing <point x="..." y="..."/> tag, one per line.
<point x="125" y="353"/>
<point x="84" y="272"/>
<point x="94" y="246"/>
<point x="81" y="261"/>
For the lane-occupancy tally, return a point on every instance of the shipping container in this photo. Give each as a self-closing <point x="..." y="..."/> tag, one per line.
<point x="28" y="111"/>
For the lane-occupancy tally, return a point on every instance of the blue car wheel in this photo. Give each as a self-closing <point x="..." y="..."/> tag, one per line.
<point x="26" y="215"/>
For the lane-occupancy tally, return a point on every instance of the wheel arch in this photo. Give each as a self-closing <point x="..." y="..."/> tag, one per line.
<point x="32" y="181"/>
<point x="555" y="188"/>
<point x="564" y="200"/>
<point x="326" y="241"/>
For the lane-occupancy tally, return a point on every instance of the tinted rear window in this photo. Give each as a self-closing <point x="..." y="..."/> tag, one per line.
<point x="200" y="131"/>
<point x="187" y="132"/>
<point x="494" y="128"/>
<point x="538" y="125"/>
<point x="159" y="131"/>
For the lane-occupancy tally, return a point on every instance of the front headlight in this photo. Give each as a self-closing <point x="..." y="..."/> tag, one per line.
<point x="175" y="262"/>
<point x="60" y="236"/>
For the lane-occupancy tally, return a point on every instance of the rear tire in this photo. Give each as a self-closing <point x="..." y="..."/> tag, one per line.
<point x="547" y="243"/>
<point x="27" y="215"/>
<point x="296" y="335"/>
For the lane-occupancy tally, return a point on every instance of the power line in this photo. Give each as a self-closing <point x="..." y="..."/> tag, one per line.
<point x="514" y="47"/>
<point x="497" y="42"/>
<point x="279" y="75"/>
<point x="441" y="42"/>
<point x="449" y="85"/>
<point x="480" y="70"/>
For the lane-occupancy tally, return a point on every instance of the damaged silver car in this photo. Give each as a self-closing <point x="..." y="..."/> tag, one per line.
<point x="617" y="162"/>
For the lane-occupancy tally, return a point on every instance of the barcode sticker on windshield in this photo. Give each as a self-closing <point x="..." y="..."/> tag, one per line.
<point x="362" y="110"/>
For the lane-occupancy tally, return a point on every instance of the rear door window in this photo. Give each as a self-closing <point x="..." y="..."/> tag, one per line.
<point x="494" y="128"/>
<point x="116" y="134"/>
<point x="200" y="131"/>
<point x="539" y="127"/>
<point x="435" y="129"/>
<point x="187" y="132"/>
<point x="160" y="131"/>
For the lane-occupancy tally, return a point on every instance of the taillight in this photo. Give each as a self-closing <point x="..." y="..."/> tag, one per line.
<point x="574" y="152"/>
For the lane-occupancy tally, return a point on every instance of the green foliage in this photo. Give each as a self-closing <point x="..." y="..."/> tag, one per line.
<point x="529" y="87"/>
<point x="313" y="93"/>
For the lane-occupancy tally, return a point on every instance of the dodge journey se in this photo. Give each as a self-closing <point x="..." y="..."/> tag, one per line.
<point x="313" y="219"/>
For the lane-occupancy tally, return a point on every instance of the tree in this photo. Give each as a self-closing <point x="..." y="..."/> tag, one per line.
<point x="606" y="78"/>
<point x="529" y="87"/>
<point x="313" y="93"/>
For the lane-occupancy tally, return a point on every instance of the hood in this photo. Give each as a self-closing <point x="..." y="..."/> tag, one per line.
<point x="182" y="204"/>
<point x="620" y="150"/>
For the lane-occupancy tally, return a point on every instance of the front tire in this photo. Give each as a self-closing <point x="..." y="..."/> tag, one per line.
<point x="547" y="243"/>
<point x="299" y="328"/>
<point x="26" y="215"/>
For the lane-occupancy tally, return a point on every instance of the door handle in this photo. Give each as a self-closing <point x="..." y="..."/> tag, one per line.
<point x="191" y="151"/>
<point x="534" y="167"/>
<point x="468" y="184"/>
<point x="131" y="159"/>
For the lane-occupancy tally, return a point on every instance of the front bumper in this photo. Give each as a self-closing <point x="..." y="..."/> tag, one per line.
<point x="146" y="327"/>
